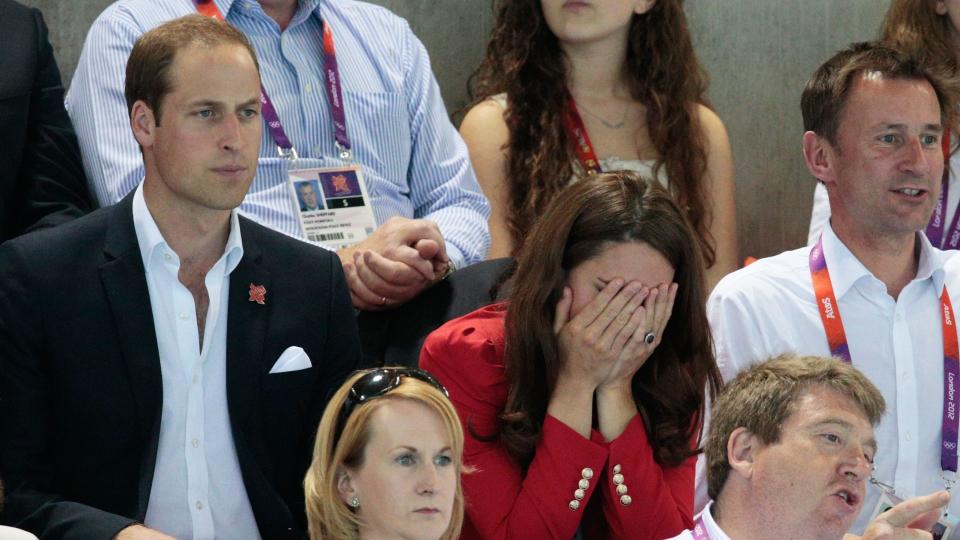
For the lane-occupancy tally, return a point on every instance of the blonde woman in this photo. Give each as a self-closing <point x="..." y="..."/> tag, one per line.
<point x="387" y="460"/>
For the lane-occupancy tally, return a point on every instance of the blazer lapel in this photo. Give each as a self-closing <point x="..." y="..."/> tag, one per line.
<point x="246" y="332"/>
<point x="124" y="281"/>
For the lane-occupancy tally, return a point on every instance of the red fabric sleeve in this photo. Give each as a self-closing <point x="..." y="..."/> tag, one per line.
<point x="466" y="355"/>
<point x="662" y="498"/>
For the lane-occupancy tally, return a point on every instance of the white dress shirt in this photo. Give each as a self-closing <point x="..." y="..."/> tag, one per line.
<point x="713" y="530"/>
<point x="197" y="492"/>
<point x="769" y="308"/>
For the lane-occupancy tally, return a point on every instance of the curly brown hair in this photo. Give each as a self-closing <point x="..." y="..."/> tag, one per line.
<point x="578" y="224"/>
<point x="524" y="61"/>
<point x="915" y="26"/>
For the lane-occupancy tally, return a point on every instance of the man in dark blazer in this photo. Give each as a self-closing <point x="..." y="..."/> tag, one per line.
<point x="41" y="175"/>
<point x="102" y="370"/>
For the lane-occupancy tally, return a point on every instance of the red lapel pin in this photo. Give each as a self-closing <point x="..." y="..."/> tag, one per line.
<point x="258" y="294"/>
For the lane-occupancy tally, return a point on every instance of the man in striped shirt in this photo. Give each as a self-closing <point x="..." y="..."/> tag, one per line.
<point x="429" y="211"/>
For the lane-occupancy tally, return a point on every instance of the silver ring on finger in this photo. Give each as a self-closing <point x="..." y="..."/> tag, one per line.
<point x="383" y="300"/>
<point x="649" y="338"/>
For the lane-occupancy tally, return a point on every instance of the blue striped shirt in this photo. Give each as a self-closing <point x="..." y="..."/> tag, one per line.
<point x="414" y="162"/>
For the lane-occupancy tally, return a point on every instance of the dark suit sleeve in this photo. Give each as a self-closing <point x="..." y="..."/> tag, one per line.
<point x="27" y="391"/>
<point x="342" y="350"/>
<point x="52" y="170"/>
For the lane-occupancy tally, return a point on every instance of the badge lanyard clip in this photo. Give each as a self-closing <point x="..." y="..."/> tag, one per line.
<point x="344" y="152"/>
<point x="288" y="153"/>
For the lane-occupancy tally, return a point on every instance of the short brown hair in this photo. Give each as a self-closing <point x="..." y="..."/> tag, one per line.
<point x="148" y="68"/>
<point x="828" y="89"/>
<point x="762" y="397"/>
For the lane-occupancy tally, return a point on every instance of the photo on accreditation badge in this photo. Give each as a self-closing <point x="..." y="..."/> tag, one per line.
<point x="308" y="195"/>
<point x="341" y="189"/>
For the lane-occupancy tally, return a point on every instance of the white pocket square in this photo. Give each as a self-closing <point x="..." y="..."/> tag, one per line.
<point x="292" y="359"/>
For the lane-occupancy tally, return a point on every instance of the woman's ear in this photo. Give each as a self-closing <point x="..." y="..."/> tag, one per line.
<point x="941" y="7"/>
<point x="643" y="6"/>
<point x="345" y="485"/>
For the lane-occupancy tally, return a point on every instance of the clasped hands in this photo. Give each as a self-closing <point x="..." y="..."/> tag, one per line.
<point x="395" y="263"/>
<point x="604" y="343"/>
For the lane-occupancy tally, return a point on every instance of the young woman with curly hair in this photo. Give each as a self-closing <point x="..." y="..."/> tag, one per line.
<point x="573" y="87"/>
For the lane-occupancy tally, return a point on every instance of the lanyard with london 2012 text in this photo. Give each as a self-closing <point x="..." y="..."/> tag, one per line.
<point x="837" y="340"/>
<point x="935" y="228"/>
<point x="331" y="83"/>
<point x="577" y="132"/>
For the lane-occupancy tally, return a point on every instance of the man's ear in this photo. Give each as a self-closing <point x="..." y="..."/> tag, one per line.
<point x="144" y="123"/>
<point x="642" y="6"/>
<point x="742" y="448"/>
<point x="818" y="154"/>
<point x="345" y="486"/>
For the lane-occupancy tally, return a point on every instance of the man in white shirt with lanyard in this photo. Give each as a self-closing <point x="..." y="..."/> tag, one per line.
<point x="796" y="467"/>
<point x="872" y="290"/>
<point x="350" y="102"/>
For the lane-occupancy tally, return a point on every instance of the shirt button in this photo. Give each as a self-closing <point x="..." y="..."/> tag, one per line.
<point x="195" y="443"/>
<point x="196" y="379"/>
<point x="317" y="150"/>
<point x="907" y="436"/>
<point x="183" y="316"/>
<point x="308" y="88"/>
<point x="167" y="256"/>
<point x="199" y="505"/>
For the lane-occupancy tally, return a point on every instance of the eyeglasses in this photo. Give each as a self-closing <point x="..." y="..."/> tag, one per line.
<point x="375" y="384"/>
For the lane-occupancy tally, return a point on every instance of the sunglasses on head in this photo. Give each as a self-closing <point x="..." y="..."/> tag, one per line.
<point x="376" y="383"/>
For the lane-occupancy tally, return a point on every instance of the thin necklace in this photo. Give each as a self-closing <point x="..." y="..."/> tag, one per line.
<point x="604" y="121"/>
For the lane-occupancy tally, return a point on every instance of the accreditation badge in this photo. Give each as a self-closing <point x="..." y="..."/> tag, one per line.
<point x="940" y="530"/>
<point x="334" y="206"/>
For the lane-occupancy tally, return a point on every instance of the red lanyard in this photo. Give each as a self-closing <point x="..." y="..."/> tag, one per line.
<point x="581" y="141"/>
<point x="208" y="9"/>
<point x="837" y="340"/>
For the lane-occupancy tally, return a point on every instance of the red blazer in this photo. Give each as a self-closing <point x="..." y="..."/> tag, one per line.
<point x="466" y="355"/>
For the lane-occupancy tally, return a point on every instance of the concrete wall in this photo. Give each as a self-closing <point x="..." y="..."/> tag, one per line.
<point x="759" y="54"/>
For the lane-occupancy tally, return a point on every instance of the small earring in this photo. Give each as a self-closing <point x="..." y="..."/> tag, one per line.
<point x="354" y="502"/>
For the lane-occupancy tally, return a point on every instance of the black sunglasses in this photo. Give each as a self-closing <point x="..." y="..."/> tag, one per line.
<point x="375" y="384"/>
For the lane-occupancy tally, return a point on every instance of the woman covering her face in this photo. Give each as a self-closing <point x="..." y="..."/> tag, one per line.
<point x="583" y="396"/>
<point x="570" y="88"/>
<point x="387" y="460"/>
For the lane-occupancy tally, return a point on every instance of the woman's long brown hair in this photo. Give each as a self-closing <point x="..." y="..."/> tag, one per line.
<point x="579" y="223"/>
<point x="524" y="60"/>
<point x="915" y="26"/>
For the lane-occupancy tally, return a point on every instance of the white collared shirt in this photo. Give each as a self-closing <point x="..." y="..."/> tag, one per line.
<point x="714" y="532"/>
<point x="769" y="308"/>
<point x="198" y="491"/>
